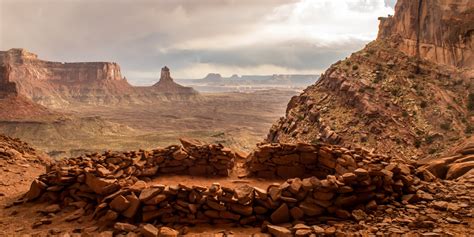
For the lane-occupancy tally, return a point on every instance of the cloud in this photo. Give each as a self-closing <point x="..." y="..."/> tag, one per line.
<point x="193" y="37"/>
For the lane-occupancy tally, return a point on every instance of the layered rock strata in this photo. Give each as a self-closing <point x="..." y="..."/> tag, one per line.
<point x="7" y="88"/>
<point x="59" y="84"/>
<point x="13" y="105"/>
<point x="441" y="31"/>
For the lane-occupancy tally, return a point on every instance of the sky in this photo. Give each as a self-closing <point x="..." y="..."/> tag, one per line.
<point x="193" y="37"/>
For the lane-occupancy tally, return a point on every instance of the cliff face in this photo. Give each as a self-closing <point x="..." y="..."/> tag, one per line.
<point x="442" y="30"/>
<point x="7" y="88"/>
<point x="12" y="104"/>
<point x="57" y="84"/>
<point x="384" y="99"/>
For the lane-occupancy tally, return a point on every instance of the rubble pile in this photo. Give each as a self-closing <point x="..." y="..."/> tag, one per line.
<point x="13" y="150"/>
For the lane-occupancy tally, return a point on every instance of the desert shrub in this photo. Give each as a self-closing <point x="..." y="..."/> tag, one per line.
<point x="470" y="102"/>
<point x="432" y="150"/>
<point x="405" y="114"/>
<point x="417" y="143"/>
<point x="379" y="77"/>
<point x="423" y="104"/>
<point x="348" y="63"/>
<point x="395" y="91"/>
<point x="430" y="139"/>
<point x="445" y="126"/>
<point x="469" y="129"/>
<point x="355" y="67"/>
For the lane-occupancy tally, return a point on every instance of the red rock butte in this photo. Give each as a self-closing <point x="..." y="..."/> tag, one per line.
<point x="59" y="84"/>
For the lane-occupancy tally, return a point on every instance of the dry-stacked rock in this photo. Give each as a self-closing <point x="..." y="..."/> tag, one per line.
<point x="271" y="160"/>
<point x="107" y="186"/>
<point x="107" y="172"/>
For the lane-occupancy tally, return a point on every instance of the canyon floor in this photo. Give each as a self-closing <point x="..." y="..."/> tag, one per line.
<point x="237" y="120"/>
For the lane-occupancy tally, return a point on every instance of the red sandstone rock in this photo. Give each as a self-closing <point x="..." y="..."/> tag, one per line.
<point x="281" y="215"/>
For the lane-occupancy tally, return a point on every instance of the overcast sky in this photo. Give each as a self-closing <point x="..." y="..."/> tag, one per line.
<point x="193" y="37"/>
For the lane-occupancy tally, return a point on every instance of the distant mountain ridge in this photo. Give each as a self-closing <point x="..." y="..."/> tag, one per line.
<point x="235" y="80"/>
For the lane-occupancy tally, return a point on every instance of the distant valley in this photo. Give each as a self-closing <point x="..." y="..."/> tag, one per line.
<point x="215" y="82"/>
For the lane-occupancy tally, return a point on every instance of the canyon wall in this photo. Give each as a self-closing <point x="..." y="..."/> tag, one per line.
<point x="7" y="88"/>
<point x="442" y="30"/>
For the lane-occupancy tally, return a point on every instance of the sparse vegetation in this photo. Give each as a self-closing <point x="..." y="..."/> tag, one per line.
<point x="432" y="150"/>
<point x="430" y="139"/>
<point x="445" y="126"/>
<point x="417" y="143"/>
<point x="405" y="114"/>
<point x="423" y="104"/>
<point x="470" y="102"/>
<point x="355" y="67"/>
<point x="379" y="77"/>
<point x="469" y="129"/>
<point x="395" y="91"/>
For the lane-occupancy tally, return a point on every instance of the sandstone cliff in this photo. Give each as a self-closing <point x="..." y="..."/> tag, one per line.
<point x="385" y="99"/>
<point x="13" y="105"/>
<point x="442" y="30"/>
<point x="7" y="88"/>
<point x="57" y="84"/>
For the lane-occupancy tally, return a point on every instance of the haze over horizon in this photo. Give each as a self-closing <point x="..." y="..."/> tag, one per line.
<point x="193" y="38"/>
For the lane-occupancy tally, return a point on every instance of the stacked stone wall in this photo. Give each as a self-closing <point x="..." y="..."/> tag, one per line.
<point x="111" y="188"/>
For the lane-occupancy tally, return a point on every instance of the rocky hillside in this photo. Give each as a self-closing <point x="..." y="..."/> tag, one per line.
<point x="58" y="84"/>
<point x="384" y="98"/>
